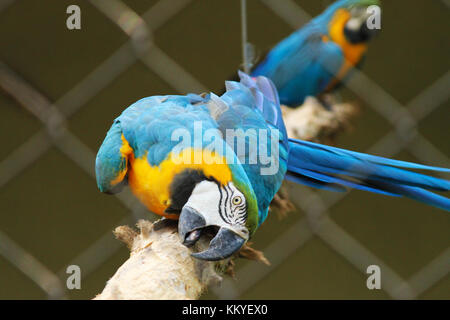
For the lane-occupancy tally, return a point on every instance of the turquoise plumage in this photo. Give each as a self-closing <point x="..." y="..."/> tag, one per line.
<point x="234" y="196"/>
<point x="313" y="59"/>
<point x="143" y="149"/>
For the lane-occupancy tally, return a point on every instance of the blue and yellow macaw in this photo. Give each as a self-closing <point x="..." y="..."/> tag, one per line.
<point x="316" y="58"/>
<point x="206" y="181"/>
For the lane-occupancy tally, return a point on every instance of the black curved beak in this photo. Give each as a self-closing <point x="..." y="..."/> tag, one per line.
<point x="190" y="224"/>
<point x="222" y="246"/>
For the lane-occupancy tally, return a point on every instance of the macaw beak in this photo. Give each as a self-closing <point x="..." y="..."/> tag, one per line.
<point x="223" y="245"/>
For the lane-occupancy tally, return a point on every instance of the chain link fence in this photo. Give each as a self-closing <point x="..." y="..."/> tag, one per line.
<point x="138" y="25"/>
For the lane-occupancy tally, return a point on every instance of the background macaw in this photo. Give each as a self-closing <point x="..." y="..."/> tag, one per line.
<point x="317" y="57"/>
<point x="233" y="195"/>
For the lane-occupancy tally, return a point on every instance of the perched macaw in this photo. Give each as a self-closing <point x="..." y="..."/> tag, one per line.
<point x="210" y="183"/>
<point x="316" y="58"/>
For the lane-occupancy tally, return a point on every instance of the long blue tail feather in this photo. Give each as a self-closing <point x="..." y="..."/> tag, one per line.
<point x="310" y="182"/>
<point x="317" y="158"/>
<point x="421" y="195"/>
<point x="339" y="181"/>
<point x="369" y="157"/>
<point x="328" y="167"/>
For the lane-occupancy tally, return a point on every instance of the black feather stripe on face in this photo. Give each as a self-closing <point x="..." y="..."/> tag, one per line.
<point x="230" y="213"/>
<point x="182" y="186"/>
<point x="361" y="35"/>
<point x="221" y="205"/>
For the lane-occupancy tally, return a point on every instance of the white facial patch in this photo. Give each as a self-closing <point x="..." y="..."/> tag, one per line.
<point x="354" y="24"/>
<point x="222" y="206"/>
<point x="358" y="17"/>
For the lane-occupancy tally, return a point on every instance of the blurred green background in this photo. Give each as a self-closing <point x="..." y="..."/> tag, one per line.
<point x="51" y="208"/>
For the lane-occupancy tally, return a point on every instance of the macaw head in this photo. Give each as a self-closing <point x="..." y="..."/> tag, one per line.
<point x="356" y="28"/>
<point x="220" y="200"/>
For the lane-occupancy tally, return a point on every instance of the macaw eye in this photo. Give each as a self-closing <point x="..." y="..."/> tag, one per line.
<point x="237" y="200"/>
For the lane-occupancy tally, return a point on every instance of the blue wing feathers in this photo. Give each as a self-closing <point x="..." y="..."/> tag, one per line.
<point x="110" y="164"/>
<point x="303" y="64"/>
<point x="145" y="125"/>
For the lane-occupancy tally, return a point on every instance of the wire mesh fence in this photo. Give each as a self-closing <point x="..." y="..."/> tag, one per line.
<point x="137" y="25"/>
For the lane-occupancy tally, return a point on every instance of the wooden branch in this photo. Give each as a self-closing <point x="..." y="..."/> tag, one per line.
<point x="160" y="267"/>
<point x="313" y="122"/>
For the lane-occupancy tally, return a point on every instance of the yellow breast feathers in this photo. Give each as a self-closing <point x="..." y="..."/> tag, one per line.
<point x="352" y="52"/>
<point x="151" y="184"/>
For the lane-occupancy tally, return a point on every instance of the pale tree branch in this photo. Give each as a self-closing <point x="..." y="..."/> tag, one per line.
<point x="159" y="266"/>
